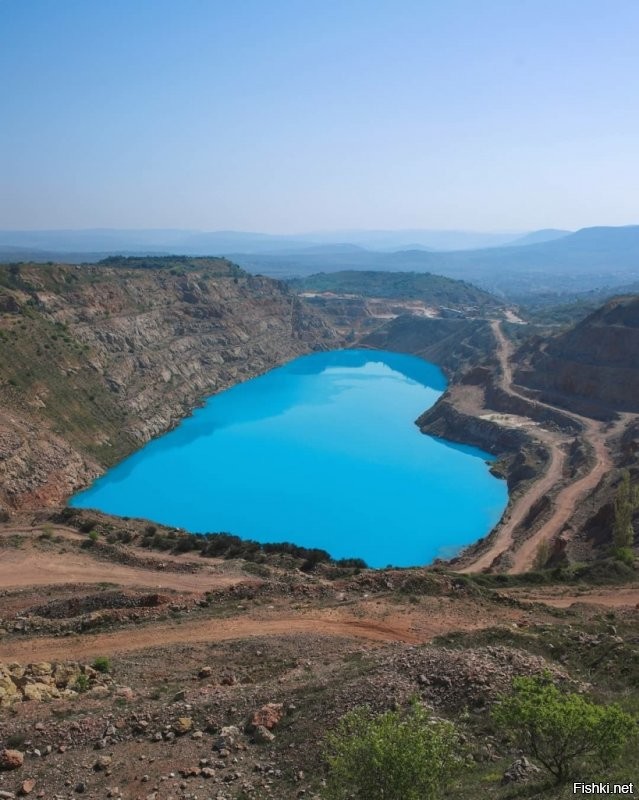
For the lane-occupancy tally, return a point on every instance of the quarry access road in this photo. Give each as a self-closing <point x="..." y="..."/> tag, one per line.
<point x="596" y="433"/>
<point x="86" y="646"/>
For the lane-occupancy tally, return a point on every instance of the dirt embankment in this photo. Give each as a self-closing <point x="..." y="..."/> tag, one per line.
<point x="552" y="458"/>
<point x="104" y="607"/>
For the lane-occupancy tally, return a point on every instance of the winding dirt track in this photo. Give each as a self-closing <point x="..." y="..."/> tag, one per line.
<point x="566" y="500"/>
<point x="124" y="641"/>
<point x="560" y="597"/>
<point x="504" y="539"/>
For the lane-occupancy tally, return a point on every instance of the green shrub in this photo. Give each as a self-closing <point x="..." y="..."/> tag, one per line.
<point x="562" y="730"/>
<point x="102" y="664"/>
<point x="392" y="756"/>
<point x="82" y="683"/>
<point x="625" y="554"/>
<point x="625" y="504"/>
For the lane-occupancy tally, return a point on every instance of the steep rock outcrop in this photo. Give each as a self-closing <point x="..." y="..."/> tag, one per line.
<point x="95" y="361"/>
<point x="454" y="344"/>
<point x="592" y="368"/>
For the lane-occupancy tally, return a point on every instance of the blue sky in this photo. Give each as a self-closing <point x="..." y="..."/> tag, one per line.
<point x="301" y="115"/>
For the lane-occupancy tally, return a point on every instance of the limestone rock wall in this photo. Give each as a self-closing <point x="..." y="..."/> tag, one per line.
<point x="95" y="361"/>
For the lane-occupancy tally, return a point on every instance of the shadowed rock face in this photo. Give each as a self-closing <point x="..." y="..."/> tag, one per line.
<point x="95" y="361"/>
<point x="593" y="367"/>
<point x="454" y="344"/>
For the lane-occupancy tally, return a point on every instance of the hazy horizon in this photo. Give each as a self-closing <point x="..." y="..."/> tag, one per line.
<point x="292" y="118"/>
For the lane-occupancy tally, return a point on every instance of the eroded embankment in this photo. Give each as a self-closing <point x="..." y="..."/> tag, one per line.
<point x="552" y="459"/>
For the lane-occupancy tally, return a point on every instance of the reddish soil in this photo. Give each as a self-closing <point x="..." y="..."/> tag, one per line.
<point x="28" y="565"/>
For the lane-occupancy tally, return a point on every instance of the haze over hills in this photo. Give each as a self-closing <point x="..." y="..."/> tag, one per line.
<point x="591" y="258"/>
<point x="194" y="242"/>
<point x="536" y="237"/>
<point x="543" y="267"/>
<point x="311" y="291"/>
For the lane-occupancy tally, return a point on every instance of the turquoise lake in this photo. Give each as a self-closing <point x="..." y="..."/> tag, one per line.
<point x="322" y="452"/>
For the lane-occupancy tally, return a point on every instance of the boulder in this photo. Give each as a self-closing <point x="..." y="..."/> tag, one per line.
<point x="227" y="738"/>
<point x="27" y="786"/>
<point x="520" y="771"/>
<point x="99" y="692"/>
<point x="11" y="759"/>
<point x="262" y="735"/>
<point x="40" y="691"/>
<point x="125" y="692"/>
<point x="102" y="763"/>
<point x="182" y="725"/>
<point x="267" y="717"/>
<point x="15" y="670"/>
<point x="40" y="669"/>
<point x="66" y="675"/>
<point x="9" y="692"/>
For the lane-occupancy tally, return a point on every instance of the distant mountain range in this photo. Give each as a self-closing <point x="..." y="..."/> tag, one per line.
<point x="561" y="268"/>
<point x="188" y="242"/>
<point x="548" y="265"/>
<point x="536" y="237"/>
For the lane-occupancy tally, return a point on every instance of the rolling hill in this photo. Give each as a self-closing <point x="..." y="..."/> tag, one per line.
<point x="589" y="259"/>
<point x="423" y="286"/>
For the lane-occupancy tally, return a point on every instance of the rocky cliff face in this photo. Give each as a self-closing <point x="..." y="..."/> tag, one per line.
<point x="95" y="361"/>
<point x="455" y="344"/>
<point x="593" y="367"/>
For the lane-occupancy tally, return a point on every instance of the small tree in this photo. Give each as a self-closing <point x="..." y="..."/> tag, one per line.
<point x="560" y="729"/>
<point x="391" y="756"/>
<point x="626" y="503"/>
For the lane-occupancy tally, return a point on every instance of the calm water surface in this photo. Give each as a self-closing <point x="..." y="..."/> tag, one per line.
<point x="322" y="452"/>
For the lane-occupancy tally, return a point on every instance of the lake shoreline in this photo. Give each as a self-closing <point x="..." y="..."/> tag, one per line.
<point x="379" y="517"/>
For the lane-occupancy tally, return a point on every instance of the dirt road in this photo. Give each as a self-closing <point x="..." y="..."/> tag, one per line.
<point x="504" y="538"/>
<point x="564" y="504"/>
<point x="160" y="634"/>
<point x="563" y="597"/>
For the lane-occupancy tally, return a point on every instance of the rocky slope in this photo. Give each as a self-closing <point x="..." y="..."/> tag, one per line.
<point x="455" y="344"/>
<point x="593" y="367"/>
<point x="95" y="361"/>
<point x="226" y="685"/>
<point x="432" y="289"/>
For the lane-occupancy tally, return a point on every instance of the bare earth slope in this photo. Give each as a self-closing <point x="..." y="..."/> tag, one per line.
<point x="559" y="463"/>
<point x="564" y="504"/>
<point x="191" y="665"/>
